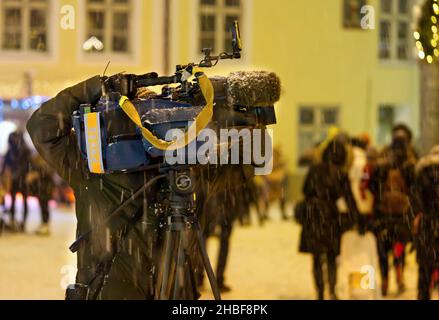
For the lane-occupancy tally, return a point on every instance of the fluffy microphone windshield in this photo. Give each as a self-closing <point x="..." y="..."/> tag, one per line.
<point x="253" y="88"/>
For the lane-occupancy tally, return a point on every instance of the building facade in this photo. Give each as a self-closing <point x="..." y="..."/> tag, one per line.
<point x="348" y="63"/>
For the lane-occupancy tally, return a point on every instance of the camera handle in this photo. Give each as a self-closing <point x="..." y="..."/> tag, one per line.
<point x="182" y="71"/>
<point x="211" y="61"/>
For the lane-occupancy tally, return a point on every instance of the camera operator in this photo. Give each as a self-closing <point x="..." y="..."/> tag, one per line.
<point x="122" y="251"/>
<point x="127" y="250"/>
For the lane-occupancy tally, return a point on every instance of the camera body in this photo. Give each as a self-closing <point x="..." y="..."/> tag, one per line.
<point x="110" y="142"/>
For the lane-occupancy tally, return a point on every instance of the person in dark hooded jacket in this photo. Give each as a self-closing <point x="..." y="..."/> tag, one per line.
<point x="326" y="184"/>
<point x="394" y="188"/>
<point x="40" y="184"/>
<point x="127" y="260"/>
<point x="426" y="231"/>
<point x="16" y="165"/>
<point x="119" y="261"/>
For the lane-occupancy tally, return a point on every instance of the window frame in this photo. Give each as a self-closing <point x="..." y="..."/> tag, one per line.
<point x="25" y="52"/>
<point x="220" y="11"/>
<point x="317" y="127"/>
<point x="192" y="34"/>
<point x="394" y="18"/>
<point x="383" y="138"/>
<point x="401" y="113"/>
<point x="130" y="58"/>
<point x="246" y="16"/>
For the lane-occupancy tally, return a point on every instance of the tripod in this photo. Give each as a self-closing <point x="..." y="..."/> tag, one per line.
<point x="176" y="279"/>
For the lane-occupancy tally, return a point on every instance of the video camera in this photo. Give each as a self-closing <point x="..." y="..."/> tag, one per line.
<point x="127" y="130"/>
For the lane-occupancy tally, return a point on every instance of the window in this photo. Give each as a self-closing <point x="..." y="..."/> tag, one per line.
<point x="108" y="27"/>
<point x="24" y="25"/>
<point x="314" y="123"/>
<point x="388" y="116"/>
<point x="386" y="121"/>
<point x="394" y="33"/>
<point x="216" y="19"/>
<point x="352" y="13"/>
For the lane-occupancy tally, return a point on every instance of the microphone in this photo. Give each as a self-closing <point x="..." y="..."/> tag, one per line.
<point x="253" y="88"/>
<point x="246" y="98"/>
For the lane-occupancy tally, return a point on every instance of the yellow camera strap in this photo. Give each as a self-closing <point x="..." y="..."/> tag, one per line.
<point x="200" y="122"/>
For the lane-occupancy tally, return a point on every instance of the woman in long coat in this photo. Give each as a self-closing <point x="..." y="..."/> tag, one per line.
<point x="326" y="184"/>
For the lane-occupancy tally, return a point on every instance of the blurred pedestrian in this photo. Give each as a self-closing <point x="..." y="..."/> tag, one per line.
<point x="222" y="208"/>
<point x="277" y="182"/>
<point x="403" y="132"/>
<point x="257" y="193"/>
<point x="40" y="184"/>
<point x="16" y="166"/>
<point x="359" y="174"/>
<point x="426" y="226"/>
<point x="223" y="212"/>
<point x="393" y="186"/>
<point x="325" y="185"/>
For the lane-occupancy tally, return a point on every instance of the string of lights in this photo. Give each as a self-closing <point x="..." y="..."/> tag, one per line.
<point x="29" y="103"/>
<point x="427" y="37"/>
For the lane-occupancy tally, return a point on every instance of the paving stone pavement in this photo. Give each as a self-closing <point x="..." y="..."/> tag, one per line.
<point x="264" y="262"/>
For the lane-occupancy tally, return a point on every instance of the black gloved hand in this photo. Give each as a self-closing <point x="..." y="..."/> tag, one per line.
<point x="125" y="84"/>
<point x="120" y="83"/>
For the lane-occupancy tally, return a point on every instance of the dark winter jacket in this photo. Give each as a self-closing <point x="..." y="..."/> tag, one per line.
<point x="130" y="276"/>
<point x="427" y="237"/>
<point x="322" y="223"/>
<point x="393" y="227"/>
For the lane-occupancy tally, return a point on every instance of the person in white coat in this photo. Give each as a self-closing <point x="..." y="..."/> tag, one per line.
<point x="358" y="259"/>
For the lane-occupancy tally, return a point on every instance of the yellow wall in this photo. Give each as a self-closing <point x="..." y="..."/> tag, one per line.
<point x="66" y="66"/>
<point x="319" y="62"/>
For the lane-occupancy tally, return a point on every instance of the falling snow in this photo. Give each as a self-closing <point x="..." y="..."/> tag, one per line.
<point x="264" y="262"/>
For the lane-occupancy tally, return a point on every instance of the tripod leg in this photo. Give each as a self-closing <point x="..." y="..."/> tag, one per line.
<point x="189" y="289"/>
<point x="165" y="269"/>
<point x="207" y="264"/>
<point x="179" y="268"/>
<point x="193" y="289"/>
